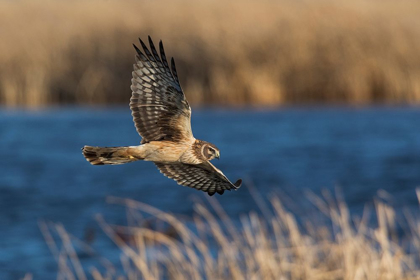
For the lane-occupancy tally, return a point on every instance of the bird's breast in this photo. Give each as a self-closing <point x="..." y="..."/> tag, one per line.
<point x="165" y="151"/>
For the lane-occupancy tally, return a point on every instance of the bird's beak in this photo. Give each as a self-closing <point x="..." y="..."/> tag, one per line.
<point x="217" y="155"/>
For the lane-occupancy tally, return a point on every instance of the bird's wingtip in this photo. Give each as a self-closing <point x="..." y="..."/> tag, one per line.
<point x="238" y="183"/>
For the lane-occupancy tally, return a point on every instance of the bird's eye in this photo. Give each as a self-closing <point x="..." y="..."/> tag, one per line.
<point x="211" y="150"/>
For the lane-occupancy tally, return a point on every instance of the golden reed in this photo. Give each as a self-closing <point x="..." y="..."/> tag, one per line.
<point x="328" y="244"/>
<point x="261" y="53"/>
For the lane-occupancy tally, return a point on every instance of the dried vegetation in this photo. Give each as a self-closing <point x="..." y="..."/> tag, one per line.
<point x="261" y="53"/>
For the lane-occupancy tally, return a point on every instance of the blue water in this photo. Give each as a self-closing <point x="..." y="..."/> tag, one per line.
<point x="43" y="175"/>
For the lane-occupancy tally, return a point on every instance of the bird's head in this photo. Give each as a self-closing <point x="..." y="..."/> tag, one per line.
<point x="210" y="151"/>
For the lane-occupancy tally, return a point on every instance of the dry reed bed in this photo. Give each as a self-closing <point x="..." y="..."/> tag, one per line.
<point x="272" y="246"/>
<point x="229" y="53"/>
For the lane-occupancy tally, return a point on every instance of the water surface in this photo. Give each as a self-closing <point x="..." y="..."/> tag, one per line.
<point x="44" y="176"/>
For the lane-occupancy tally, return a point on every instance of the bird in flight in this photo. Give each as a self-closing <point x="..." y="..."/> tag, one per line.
<point x="162" y="117"/>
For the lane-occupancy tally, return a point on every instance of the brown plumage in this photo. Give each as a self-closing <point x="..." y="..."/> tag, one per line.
<point x="162" y="117"/>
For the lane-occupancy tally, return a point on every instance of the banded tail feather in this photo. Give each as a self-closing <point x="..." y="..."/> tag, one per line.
<point x="109" y="155"/>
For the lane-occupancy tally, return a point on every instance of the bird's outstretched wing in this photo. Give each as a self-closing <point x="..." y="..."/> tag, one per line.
<point x="159" y="108"/>
<point x="204" y="176"/>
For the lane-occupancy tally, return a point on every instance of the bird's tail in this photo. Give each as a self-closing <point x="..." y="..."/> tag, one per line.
<point x="110" y="155"/>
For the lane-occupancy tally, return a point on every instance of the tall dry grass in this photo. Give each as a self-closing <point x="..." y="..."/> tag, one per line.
<point x="270" y="246"/>
<point x="228" y="52"/>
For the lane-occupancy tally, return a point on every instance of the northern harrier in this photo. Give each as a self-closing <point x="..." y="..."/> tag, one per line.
<point x="162" y="117"/>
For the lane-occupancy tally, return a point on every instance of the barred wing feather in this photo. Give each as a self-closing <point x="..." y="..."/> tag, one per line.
<point x="159" y="107"/>
<point x="205" y="177"/>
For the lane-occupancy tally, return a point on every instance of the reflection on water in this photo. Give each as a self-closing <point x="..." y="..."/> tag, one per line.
<point x="44" y="176"/>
